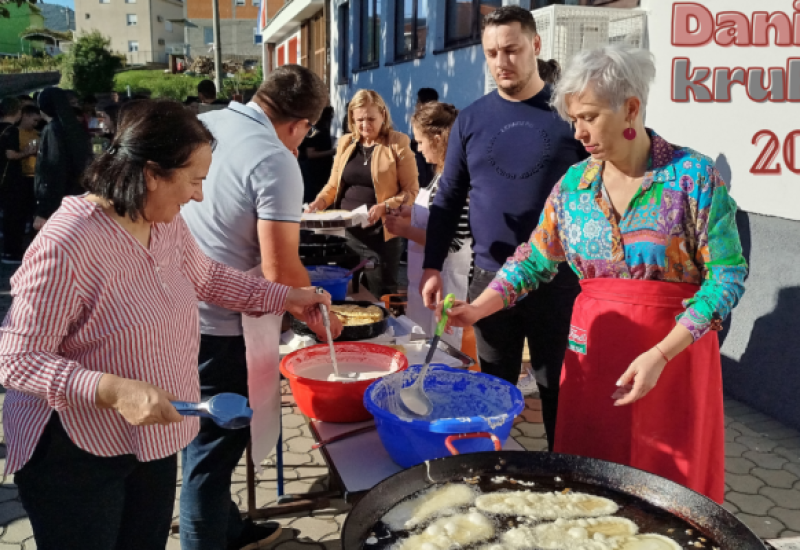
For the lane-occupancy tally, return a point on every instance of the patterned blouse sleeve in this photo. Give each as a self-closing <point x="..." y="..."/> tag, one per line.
<point x="536" y="261"/>
<point x="719" y="256"/>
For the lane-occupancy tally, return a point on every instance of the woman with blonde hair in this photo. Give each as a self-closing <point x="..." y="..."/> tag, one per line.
<point x="374" y="166"/>
<point x="431" y="124"/>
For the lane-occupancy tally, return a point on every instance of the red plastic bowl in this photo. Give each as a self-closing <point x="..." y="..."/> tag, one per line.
<point x="337" y="401"/>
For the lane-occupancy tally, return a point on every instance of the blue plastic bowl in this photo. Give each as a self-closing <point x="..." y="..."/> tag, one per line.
<point x="331" y="279"/>
<point x="464" y="402"/>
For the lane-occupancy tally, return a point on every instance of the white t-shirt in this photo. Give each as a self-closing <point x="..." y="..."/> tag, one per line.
<point x="253" y="176"/>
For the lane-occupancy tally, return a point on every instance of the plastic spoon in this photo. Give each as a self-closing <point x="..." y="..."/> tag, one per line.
<point x="326" y="322"/>
<point x="413" y="396"/>
<point x="227" y="410"/>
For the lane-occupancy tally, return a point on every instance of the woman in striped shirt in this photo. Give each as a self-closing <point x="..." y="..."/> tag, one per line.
<point x="103" y="330"/>
<point x="431" y="124"/>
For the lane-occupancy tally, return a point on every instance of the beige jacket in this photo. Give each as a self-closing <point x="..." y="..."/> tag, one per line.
<point x="394" y="171"/>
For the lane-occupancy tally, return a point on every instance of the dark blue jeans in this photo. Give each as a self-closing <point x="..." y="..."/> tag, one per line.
<point x="209" y="519"/>
<point x="79" y="501"/>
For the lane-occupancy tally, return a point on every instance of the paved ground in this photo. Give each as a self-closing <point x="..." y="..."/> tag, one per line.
<point x="762" y="475"/>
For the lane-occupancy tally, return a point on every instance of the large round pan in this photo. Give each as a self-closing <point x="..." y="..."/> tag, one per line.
<point x="313" y="245"/>
<point x="350" y="333"/>
<point x="711" y="520"/>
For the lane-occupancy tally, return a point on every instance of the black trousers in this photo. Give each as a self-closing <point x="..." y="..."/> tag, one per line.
<point x="543" y="317"/>
<point x="18" y="207"/>
<point x="371" y="243"/>
<point x="78" y="501"/>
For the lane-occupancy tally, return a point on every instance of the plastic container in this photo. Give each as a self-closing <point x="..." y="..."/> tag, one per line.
<point x="331" y="279"/>
<point x="339" y="401"/>
<point x="475" y="407"/>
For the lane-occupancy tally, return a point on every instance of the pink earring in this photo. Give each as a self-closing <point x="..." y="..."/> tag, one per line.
<point x="629" y="133"/>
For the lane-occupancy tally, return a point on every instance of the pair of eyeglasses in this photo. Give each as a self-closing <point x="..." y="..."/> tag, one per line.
<point x="312" y="131"/>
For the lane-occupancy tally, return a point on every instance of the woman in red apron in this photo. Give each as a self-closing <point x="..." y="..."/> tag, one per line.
<point x="650" y="229"/>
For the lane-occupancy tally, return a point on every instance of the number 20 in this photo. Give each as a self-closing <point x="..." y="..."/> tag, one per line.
<point x="764" y="162"/>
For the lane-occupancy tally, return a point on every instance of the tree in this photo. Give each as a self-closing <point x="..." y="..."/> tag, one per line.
<point x="4" y="10"/>
<point x="89" y="66"/>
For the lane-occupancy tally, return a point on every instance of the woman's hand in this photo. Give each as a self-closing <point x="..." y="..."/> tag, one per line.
<point x="461" y="314"/>
<point x="303" y="303"/>
<point x="38" y="222"/>
<point x="640" y="378"/>
<point x="139" y="403"/>
<point x="397" y="225"/>
<point x="376" y="213"/>
<point x="318" y="204"/>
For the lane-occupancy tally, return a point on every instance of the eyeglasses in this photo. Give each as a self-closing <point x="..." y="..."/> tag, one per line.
<point x="312" y="131"/>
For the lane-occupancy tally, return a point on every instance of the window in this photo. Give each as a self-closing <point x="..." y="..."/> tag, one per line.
<point x="159" y="19"/>
<point x="162" y="42"/>
<point x="168" y="26"/>
<point x="130" y="1"/>
<point x="240" y="2"/>
<point x="344" y="43"/>
<point x="463" y="20"/>
<point x="208" y="35"/>
<point x="87" y="16"/>
<point x="132" y="19"/>
<point x="256" y="2"/>
<point x="370" y="34"/>
<point x="105" y="1"/>
<point x="257" y="38"/>
<point x="133" y="45"/>
<point x="410" y="29"/>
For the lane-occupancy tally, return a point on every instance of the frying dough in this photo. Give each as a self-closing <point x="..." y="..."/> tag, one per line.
<point x="354" y="315"/>
<point x="445" y="533"/>
<point x="440" y="501"/>
<point x="546" y="505"/>
<point x="650" y="541"/>
<point x="605" y="533"/>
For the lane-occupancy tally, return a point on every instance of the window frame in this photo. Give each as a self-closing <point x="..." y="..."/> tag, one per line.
<point x="105" y="1"/>
<point x="258" y="38"/>
<point x="130" y="42"/>
<point x="343" y="12"/>
<point x="417" y="50"/>
<point x="376" y="34"/>
<point x="135" y="22"/>
<point x="211" y="31"/>
<point x="475" y="35"/>
<point x="168" y="25"/>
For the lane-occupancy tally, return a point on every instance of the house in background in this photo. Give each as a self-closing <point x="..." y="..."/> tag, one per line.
<point x="22" y="17"/>
<point x="238" y="28"/>
<point x="396" y="47"/>
<point x="297" y="31"/>
<point x="57" y="17"/>
<point x="145" y="31"/>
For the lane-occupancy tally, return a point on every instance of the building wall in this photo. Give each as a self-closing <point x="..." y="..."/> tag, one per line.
<point x="165" y="10"/>
<point x="21" y="17"/>
<point x="228" y="9"/>
<point x="237" y="37"/>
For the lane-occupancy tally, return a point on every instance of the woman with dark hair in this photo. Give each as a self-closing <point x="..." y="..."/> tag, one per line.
<point x="104" y="332"/>
<point x="64" y="152"/>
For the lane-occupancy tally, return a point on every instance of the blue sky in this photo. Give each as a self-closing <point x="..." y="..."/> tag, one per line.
<point x="69" y="3"/>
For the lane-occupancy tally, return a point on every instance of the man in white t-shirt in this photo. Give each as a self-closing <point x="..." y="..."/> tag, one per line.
<point x="251" y="210"/>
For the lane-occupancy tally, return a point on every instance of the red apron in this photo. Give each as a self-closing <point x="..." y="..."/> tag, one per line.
<point x="676" y="431"/>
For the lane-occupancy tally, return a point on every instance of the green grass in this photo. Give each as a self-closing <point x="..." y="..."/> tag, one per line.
<point x="171" y="86"/>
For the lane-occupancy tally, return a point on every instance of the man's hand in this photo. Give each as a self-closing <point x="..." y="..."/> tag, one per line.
<point x="38" y="222"/>
<point x="641" y="377"/>
<point x="431" y="288"/>
<point x="303" y="303"/>
<point x="404" y="211"/>
<point x="318" y="204"/>
<point x="139" y="403"/>
<point x="376" y="213"/>
<point x="397" y="225"/>
<point x="319" y="328"/>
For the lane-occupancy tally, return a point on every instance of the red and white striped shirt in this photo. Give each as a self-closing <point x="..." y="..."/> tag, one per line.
<point x="89" y="299"/>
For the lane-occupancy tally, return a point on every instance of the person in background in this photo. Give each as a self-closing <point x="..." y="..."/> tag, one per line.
<point x="316" y="157"/>
<point x="549" y="71"/>
<point x="425" y="170"/>
<point x="207" y="93"/>
<point x="90" y="113"/>
<point x="73" y="99"/>
<point x="28" y="138"/>
<point x="250" y="217"/>
<point x="374" y="167"/>
<point x="64" y="152"/>
<point x="506" y="152"/>
<point x="25" y="100"/>
<point x="650" y="229"/>
<point x="192" y="102"/>
<point x="431" y="124"/>
<point x="102" y="335"/>
<point x="12" y="181"/>
<point x="109" y="115"/>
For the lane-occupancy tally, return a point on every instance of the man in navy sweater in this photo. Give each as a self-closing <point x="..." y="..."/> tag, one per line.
<point x="506" y="152"/>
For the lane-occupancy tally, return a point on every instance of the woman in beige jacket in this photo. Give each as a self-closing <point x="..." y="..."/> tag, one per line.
<point x="374" y="166"/>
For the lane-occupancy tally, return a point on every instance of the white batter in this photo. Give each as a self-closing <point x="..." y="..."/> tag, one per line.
<point x="453" y="532"/>
<point x="606" y="533"/>
<point x="347" y="371"/>
<point x="440" y="501"/>
<point x="546" y="505"/>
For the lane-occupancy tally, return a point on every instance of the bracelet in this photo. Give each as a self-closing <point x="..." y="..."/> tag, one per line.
<point x="666" y="359"/>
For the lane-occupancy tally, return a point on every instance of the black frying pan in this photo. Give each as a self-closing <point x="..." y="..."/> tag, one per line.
<point x="349" y="333"/>
<point x="645" y="497"/>
<point x="313" y="245"/>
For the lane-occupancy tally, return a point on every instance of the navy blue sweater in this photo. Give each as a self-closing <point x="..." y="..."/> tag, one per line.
<point x="506" y="156"/>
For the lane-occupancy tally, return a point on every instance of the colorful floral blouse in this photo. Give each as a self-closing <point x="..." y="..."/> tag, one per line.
<point x="679" y="227"/>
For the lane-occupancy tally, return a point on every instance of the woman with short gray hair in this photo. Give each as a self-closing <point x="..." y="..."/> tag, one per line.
<point x="650" y="230"/>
